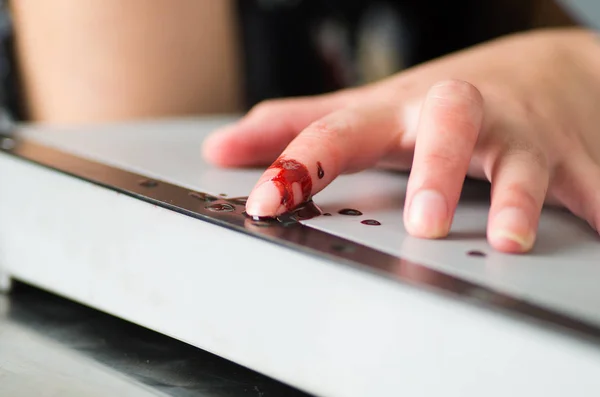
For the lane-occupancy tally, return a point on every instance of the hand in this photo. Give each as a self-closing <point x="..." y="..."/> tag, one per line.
<point x="522" y="112"/>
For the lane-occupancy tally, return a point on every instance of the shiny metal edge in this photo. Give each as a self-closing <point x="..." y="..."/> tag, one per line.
<point x="295" y="236"/>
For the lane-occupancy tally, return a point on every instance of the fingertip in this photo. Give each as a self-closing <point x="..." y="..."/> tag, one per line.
<point x="265" y="201"/>
<point x="511" y="231"/>
<point x="210" y="152"/>
<point x="428" y="215"/>
<point x="214" y="147"/>
<point x="458" y="101"/>
<point x="510" y="243"/>
<point x="452" y="88"/>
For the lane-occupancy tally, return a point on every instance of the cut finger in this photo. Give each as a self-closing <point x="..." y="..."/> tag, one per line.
<point x="260" y="136"/>
<point x="519" y="185"/>
<point x="449" y="125"/>
<point x="348" y="140"/>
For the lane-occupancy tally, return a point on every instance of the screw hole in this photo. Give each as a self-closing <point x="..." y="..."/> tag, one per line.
<point x="221" y="208"/>
<point x="148" y="183"/>
<point x="343" y="248"/>
<point x="477" y="254"/>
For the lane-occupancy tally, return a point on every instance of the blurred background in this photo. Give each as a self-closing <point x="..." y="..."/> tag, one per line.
<point x="587" y="10"/>
<point x="80" y="62"/>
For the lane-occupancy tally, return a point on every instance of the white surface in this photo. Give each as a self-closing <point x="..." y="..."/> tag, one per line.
<point x="326" y="328"/>
<point x="561" y="273"/>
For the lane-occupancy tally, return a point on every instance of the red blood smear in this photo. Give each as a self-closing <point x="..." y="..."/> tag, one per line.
<point x="290" y="172"/>
<point x="320" y="172"/>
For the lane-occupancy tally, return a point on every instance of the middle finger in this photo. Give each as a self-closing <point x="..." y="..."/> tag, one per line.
<point x="449" y="125"/>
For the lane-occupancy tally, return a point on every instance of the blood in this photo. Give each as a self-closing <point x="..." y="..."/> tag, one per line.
<point x="306" y="211"/>
<point x="327" y="214"/>
<point x="371" y="222"/>
<point x="320" y="172"/>
<point x="350" y="212"/>
<point x="290" y="172"/>
<point x="476" y="253"/>
<point x="218" y="207"/>
<point x="303" y="212"/>
<point x="223" y="194"/>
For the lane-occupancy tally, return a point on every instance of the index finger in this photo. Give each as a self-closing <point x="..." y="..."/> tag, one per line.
<point x="347" y="140"/>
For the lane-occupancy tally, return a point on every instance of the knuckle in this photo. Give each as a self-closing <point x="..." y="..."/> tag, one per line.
<point x="440" y="159"/>
<point x="526" y="151"/>
<point x="265" y="107"/>
<point x="329" y="136"/>
<point x="522" y="196"/>
<point x="456" y="89"/>
<point x="529" y="112"/>
<point x="458" y="105"/>
<point x="327" y="129"/>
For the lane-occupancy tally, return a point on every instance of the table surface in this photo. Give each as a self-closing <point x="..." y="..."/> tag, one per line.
<point x="561" y="273"/>
<point x="50" y="346"/>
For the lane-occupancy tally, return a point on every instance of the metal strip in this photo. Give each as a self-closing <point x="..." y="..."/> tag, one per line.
<point x="229" y="213"/>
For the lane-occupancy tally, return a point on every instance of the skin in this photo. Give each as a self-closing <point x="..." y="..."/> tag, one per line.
<point x="87" y="61"/>
<point x="520" y="112"/>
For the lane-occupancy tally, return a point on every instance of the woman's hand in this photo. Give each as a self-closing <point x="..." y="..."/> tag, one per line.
<point x="522" y="112"/>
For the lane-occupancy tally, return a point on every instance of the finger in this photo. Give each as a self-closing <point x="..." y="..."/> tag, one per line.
<point x="520" y="180"/>
<point x="260" y="136"/>
<point x="449" y="125"/>
<point x="344" y="141"/>
<point x="572" y="188"/>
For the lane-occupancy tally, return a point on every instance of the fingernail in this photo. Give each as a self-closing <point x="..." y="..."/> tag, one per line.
<point x="511" y="230"/>
<point x="265" y="200"/>
<point x="428" y="215"/>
